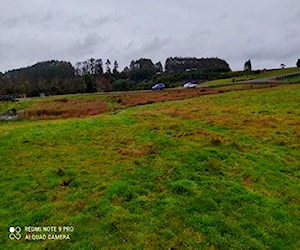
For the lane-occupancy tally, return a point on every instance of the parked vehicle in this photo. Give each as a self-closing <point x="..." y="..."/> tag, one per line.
<point x="189" y="85"/>
<point x="7" y="98"/>
<point x="159" y="86"/>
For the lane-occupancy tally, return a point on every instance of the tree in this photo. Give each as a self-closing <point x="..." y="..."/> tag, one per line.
<point x="122" y="85"/>
<point x="298" y="63"/>
<point x="108" y="66"/>
<point x="116" y="67"/>
<point x="78" y="69"/>
<point x="144" y="64"/>
<point x="90" y="83"/>
<point x="85" y="68"/>
<point x="99" y="67"/>
<point x="132" y="65"/>
<point x="282" y="65"/>
<point x="92" y="66"/>
<point x="183" y="64"/>
<point x="126" y="69"/>
<point x="159" y="67"/>
<point x="247" y="66"/>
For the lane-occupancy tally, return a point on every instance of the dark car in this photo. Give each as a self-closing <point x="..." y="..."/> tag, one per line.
<point x="159" y="86"/>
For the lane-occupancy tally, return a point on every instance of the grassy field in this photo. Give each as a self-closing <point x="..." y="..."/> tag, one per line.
<point x="266" y="74"/>
<point x="86" y="105"/>
<point x="218" y="171"/>
<point x="294" y="79"/>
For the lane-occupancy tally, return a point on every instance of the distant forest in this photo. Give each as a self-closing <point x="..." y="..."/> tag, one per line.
<point x="94" y="75"/>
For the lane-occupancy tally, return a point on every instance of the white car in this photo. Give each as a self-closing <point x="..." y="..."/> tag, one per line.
<point x="189" y="85"/>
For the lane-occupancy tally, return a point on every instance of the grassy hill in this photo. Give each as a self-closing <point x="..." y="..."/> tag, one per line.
<point x="263" y="74"/>
<point x="218" y="171"/>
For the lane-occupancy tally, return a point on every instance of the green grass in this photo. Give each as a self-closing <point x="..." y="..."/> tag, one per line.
<point x="6" y="106"/>
<point x="266" y="74"/>
<point x="294" y="79"/>
<point x="213" y="172"/>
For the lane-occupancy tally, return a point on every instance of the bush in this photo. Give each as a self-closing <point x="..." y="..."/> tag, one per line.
<point x="122" y="85"/>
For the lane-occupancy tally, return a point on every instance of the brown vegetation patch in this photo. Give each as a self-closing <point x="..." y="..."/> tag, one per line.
<point x="247" y="182"/>
<point x="140" y="151"/>
<point x="133" y="99"/>
<point x="202" y="132"/>
<point x="80" y="206"/>
<point x="64" y="108"/>
<point x="181" y="114"/>
<point x="217" y="140"/>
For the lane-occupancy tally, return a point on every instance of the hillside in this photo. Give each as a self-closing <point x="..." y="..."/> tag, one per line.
<point x="240" y="76"/>
<point x="219" y="171"/>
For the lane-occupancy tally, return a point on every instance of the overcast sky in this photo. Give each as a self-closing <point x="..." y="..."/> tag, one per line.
<point x="265" y="31"/>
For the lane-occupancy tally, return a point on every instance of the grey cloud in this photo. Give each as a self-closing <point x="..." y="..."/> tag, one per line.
<point x="95" y="22"/>
<point x="85" y="47"/>
<point x="151" y="48"/>
<point x="27" y="19"/>
<point x="266" y="31"/>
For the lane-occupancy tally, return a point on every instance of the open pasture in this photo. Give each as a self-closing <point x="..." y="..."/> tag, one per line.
<point x="218" y="171"/>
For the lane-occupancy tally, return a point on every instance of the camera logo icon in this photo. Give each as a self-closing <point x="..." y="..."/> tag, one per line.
<point x="15" y="233"/>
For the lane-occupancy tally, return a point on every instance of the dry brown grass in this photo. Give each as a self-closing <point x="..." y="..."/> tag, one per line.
<point x="161" y="96"/>
<point x="65" y="108"/>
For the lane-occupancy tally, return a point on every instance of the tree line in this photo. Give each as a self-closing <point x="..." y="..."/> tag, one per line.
<point x="95" y="75"/>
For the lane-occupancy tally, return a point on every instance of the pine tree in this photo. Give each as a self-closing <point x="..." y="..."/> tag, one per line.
<point x="247" y="66"/>
<point x="108" y="66"/>
<point x="99" y="67"/>
<point x="159" y="67"/>
<point x="116" y="67"/>
<point x="132" y="65"/>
